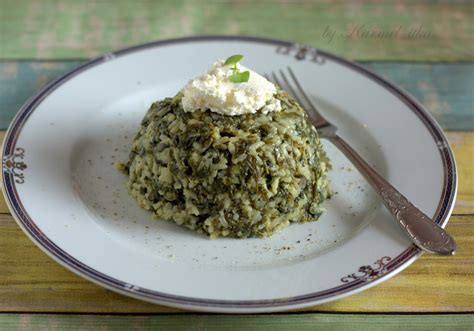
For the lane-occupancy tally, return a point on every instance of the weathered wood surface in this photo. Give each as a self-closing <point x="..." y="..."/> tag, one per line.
<point x="445" y="89"/>
<point x="362" y="30"/>
<point x="463" y="148"/>
<point x="313" y="322"/>
<point x="30" y="281"/>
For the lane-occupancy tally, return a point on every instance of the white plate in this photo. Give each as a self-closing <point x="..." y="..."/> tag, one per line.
<point x="65" y="194"/>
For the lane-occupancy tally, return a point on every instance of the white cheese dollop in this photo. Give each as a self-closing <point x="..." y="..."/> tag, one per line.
<point x="214" y="91"/>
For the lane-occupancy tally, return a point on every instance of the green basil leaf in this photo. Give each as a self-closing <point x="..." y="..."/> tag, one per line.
<point x="240" y="77"/>
<point x="233" y="60"/>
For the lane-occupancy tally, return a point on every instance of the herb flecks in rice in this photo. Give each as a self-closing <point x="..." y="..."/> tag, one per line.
<point x="236" y="176"/>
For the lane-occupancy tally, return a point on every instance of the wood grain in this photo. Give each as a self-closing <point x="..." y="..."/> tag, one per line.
<point x="3" y="205"/>
<point x="314" y="322"/>
<point x="362" y="30"/>
<point x="32" y="282"/>
<point x="463" y="148"/>
<point x="19" y="80"/>
<point x="445" y="89"/>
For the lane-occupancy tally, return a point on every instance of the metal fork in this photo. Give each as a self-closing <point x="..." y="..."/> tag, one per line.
<point x="424" y="232"/>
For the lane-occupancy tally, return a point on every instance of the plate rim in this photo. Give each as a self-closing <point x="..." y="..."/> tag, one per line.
<point x="394" y="266"/>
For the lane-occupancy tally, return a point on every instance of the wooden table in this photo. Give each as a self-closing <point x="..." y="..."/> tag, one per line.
<point x="430" y="56"/>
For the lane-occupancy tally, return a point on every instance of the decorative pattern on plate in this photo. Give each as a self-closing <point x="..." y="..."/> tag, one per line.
<point x="131" y="287"/>
<point x="367" y="272"/>
<point x="442" y="144"/>
<point x="13" y="165"/>
<point x="109" y="56"/>
<point x="301" y="52"/>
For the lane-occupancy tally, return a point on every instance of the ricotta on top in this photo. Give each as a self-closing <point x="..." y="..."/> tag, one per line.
<point x="214" y="91"/>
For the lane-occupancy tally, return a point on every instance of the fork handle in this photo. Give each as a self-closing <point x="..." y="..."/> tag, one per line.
<point x="424" y="232"/>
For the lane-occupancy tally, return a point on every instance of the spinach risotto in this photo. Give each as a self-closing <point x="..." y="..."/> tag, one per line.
<point x="233" y="176"/>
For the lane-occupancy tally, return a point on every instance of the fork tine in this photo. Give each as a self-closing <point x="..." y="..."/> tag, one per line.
<point x="276" y="80"/>
<point x="297" y="92"/>
<point x="290" y="87"/>
<point x="303" y="93"/>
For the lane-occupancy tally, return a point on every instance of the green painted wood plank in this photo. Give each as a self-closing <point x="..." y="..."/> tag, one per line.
<point x="20" y="80"/>
<point x="362" y="30"/>
<point x="303" y="322"/>
<point x="445" y="89"/>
